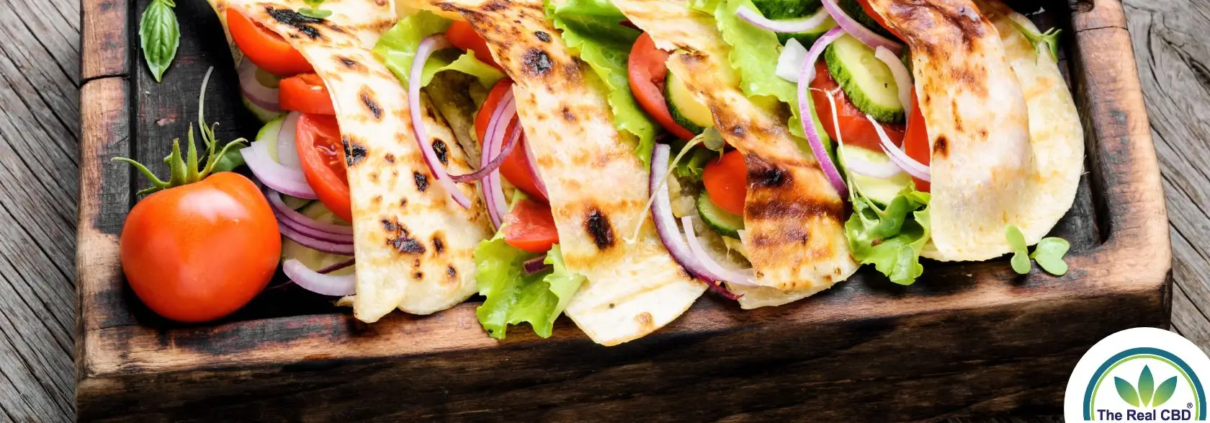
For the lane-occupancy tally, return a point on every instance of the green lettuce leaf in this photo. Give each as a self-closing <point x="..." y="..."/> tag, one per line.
<point x="890" y="238"/>
<point x="465" y="63"/>
<point x="397" y="50"/>
<point x="592" y="29"/>
<point x="511" y="296"/>
<point x="754" y="54"/>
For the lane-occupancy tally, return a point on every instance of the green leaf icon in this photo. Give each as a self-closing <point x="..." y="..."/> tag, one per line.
<point x="1126" y="391"/>
<point x="1164" y="392"/>
<point x="1146" y="386"/>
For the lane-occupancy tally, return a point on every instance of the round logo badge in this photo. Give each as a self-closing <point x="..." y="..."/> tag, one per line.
<point x="1136" y="375"/>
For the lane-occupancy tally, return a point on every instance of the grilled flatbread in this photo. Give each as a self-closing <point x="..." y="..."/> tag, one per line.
<point x="1006" y="143"/>
<point x="414" y="245"/>
<point x="597" y="186"/>
<point x="793" y="218"/>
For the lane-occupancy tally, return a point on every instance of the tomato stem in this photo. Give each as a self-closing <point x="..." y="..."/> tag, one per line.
<point x="183" y="170"/>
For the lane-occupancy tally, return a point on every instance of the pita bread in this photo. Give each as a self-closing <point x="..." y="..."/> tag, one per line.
<point x="413" y="244"/>
<point x="793" y="218"/>
<point x="1007" y="146"/>
<point x="597" y="186"/>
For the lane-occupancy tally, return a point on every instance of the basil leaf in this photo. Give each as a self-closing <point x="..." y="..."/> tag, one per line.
<point x="159" y="36"/>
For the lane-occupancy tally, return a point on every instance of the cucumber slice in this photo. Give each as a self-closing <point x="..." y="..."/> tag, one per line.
<point x="882" y="191"/>
<point x="295" y="202"/>
<point x="691" y="114"/>
<point x="807" y="38"/>
<point x="855" y="11"/>
<point x="787" y="9"/>
<point x="722" y="221"/>
<point x="867" y="81"/>
<point x="313" y="259"/>
<point x="268" y="135"/>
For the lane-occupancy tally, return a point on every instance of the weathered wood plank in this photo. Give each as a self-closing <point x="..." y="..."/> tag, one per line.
<point x="1169" y="41"/>
<point x="39" y="130"/>
<point x="57" y="28"/>
<point x="105" y="26"/>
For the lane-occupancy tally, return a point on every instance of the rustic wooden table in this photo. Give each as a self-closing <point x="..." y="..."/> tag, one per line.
<point x="39" y="133"/>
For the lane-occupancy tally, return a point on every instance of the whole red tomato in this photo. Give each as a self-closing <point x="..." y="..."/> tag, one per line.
<point x="198" y="252"/>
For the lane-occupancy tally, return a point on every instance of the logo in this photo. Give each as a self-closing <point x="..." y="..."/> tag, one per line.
<point x="1141" y="374"/>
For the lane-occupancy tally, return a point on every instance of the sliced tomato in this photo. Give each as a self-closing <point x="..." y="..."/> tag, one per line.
<point x="857" y="130"/>
<point x="462" y="35"/>
<point x="916" y="142"/>
<point x="516" y="166"/>
<point x="726" y="181"/>
<point x="265" y="48"/>
<point x="647" y="72"/>
<point x="530" y="227"/>
<point x="305" y="93"/>
<point x="865" y="4"/>
<point x="323" y="162"/>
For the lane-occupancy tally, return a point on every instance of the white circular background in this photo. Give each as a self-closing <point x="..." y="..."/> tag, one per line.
<point x="1131" y="338"/>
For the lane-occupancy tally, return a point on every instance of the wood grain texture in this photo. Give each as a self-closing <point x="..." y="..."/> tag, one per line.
<point x="38" y="188"/>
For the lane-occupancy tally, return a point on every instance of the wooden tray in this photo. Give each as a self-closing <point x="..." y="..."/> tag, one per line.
<point x="971" y="338"/>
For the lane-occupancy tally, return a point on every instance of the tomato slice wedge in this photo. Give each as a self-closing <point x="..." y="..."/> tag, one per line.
<point x="865" y="4"/>
<point x="462" y="35"/>
<point x="857" y="130"/>
<point x="647" y="71"/>
<point x="265" y="48"/>
<point x="516" y="166"/>
<point x="323" y="162"/>
<point x="530" y="227"/>
<point x="916" y="142"/>
<point x="726" y="181"/>
<point x="305" y="93"/>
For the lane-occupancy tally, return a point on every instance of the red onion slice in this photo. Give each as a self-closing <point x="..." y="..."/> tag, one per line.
<point x="313" y="243"/>
<point x="280" y="208"/>
<point x="536" y="264"/>
<point x="337" y="266"/>
<point x="903" y="78"/>
<point x="336" y="286"/>
<point x="665" y="223"/>
<point x="304" y="230"/>
<point x="802" y="24"/>
<point x="493" y="190"/>
<point x="256" y="92"/>
<point x="790" y="60"/>
<point x="426" y="48"/>
<point x="495" y="130"/>
<point x="900" y="158"/>
<point x="859" y="31"/>
<point x="533" y="167"/>
<point x="740" y="277"/>
<point x="287" y="148"/>
<point x="280" y="178"/>
<point x="805" y="75"/>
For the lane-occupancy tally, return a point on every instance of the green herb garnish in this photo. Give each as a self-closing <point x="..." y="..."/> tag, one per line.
<point x="313" y="9"/>
<point x="183" y="170"/>
<point x="159" y="36"/>
<point x="1048" y="253"/>
<point x="1050" y="38"/>
<point x="1016" y="240"/>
